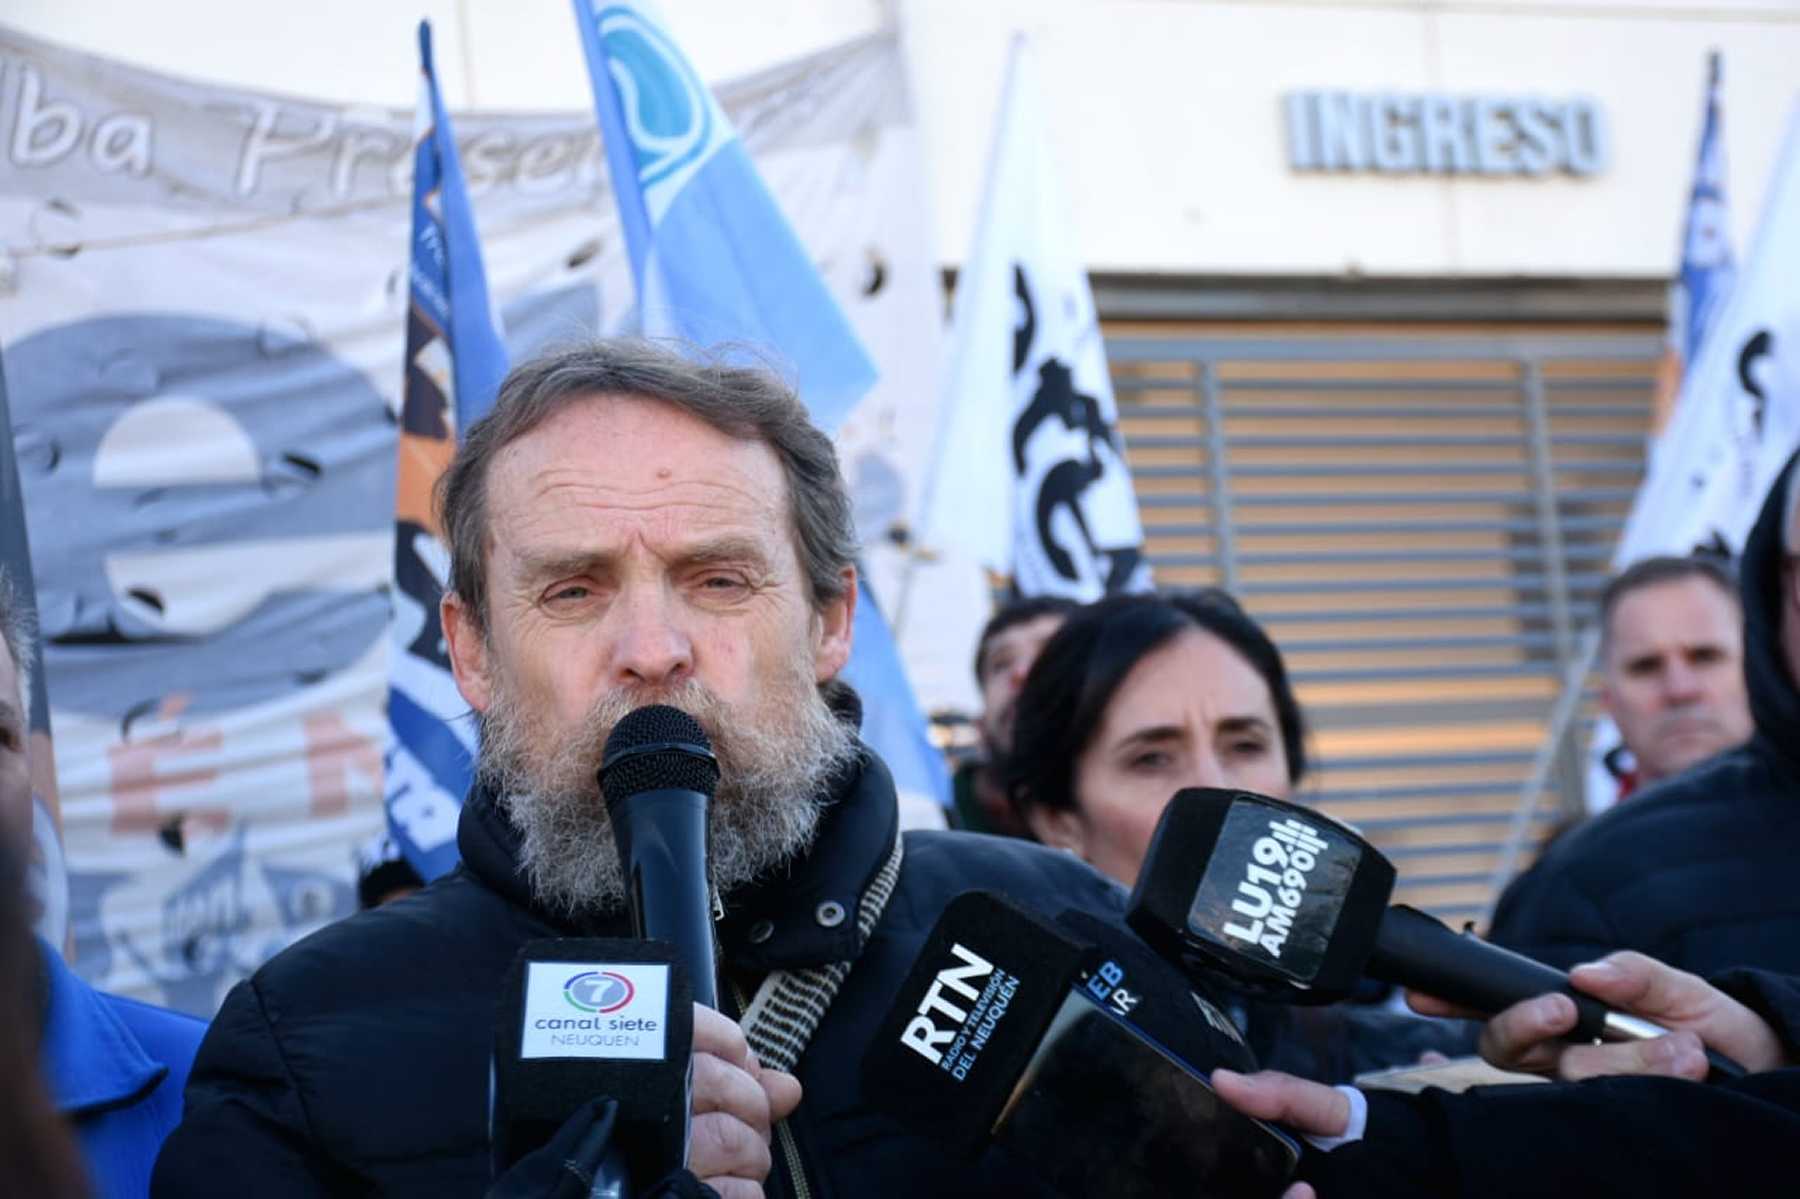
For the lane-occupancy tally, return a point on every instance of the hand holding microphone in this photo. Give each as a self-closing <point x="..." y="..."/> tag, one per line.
<point x="1292" y="905"/>
<point x="1527" y="1037"/>
<point x="736" y="1105"/>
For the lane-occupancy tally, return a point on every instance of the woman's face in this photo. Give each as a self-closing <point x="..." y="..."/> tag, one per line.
<point x="1192" y="713"/>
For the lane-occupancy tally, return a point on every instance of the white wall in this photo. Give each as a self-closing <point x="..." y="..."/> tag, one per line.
<point x="1168" y="112"/>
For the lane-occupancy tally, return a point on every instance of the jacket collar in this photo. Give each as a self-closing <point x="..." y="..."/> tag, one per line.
<point x="802" y="915"/>
<point x="90" y="1060"/>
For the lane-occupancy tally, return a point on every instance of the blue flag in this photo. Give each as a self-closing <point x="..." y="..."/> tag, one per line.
<point x="892" y="722"/>
<point x="716" y="262"/>
<point x="1708" y="268"/>
<point x="454" y="363"/>
<point x="714" y="259"/>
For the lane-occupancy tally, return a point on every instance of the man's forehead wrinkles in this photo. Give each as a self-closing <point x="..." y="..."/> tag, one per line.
<point x="606" y="490"/>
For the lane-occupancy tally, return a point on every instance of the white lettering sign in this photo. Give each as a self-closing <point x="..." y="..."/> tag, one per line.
<point x="596" y="1010"/>
<point x="921" y="1035"/>
<point x="1393" y="134"/>
<point x="1274" y="884"/>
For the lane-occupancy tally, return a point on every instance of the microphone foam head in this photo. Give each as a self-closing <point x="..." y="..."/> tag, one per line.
<point x="1282" y="899"/>
<point x="657" y="748"/>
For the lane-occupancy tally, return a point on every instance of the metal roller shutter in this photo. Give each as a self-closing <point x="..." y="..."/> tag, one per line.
<point x="1423" y="520"/>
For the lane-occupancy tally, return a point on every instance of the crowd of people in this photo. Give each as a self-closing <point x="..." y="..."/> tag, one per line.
<point x="629" y="526"/>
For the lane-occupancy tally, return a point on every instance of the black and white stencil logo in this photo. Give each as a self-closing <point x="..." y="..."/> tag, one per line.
<point x="1078" y="531"/>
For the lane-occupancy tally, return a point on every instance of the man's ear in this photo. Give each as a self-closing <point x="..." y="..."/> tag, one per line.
<point x="468" y="651"/>
<point x="1058" y="828"/>
<point x="837" y="620"/>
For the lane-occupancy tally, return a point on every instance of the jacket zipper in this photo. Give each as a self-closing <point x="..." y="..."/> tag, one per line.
<point x="790" y="1149"/>
<point x="784" y="1136"/>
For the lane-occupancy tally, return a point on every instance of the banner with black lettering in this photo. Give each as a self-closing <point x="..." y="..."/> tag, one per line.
<point x="1030" y="475"/>
<point x="1738" y="416"/>
<point x="203" y="300"/>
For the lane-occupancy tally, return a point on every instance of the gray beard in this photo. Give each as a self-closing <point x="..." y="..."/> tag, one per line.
<point x="773" y="763"/>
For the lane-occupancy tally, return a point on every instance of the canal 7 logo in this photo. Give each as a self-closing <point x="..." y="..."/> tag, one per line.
<point x="599" y="991"/>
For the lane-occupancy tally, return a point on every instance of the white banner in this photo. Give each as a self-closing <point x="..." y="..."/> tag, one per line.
<point x="1738" y="418"/>
<point x="1031" y="476"/>
<point x="202" y="307"/>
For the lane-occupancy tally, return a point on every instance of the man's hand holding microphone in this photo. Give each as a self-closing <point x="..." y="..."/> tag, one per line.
<point x="1528" y="1037"/>
<point x="736" y="1104"/>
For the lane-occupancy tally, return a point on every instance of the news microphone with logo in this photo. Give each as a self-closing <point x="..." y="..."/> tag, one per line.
<point x="1086" y="1062"/>
<point x="658" y="775"/>
<point x="1292" y="905"/>
<point x="582" y="1019"/>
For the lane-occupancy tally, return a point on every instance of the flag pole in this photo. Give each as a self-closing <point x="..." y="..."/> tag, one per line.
<point x="923" y="527"/>
<point x="1562" y="716"/>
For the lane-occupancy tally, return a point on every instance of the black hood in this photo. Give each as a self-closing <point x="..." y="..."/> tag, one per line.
<point x="1774" y="700"/>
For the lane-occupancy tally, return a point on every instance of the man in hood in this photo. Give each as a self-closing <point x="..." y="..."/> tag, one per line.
<point x="1695" y="870"/>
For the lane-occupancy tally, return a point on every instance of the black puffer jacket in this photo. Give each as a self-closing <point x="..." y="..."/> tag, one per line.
<point x="356" y="1062"/>
<point x="1698" y="870"/>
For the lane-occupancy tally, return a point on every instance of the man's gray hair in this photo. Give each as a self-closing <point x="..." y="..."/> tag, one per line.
<point x="750" y="405"/>
<point x="19" y="631"/>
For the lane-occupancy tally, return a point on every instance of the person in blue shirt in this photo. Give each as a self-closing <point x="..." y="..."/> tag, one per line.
<point x="113" y="1067"/>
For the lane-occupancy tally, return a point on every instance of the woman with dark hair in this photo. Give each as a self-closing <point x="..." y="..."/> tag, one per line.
<point x="1136" y="697"/>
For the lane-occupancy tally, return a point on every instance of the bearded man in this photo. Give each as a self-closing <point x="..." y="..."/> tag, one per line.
<point x="626" y="527"/>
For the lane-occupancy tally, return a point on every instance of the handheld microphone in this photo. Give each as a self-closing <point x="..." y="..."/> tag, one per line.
<point x="1292" y="905"/>
<point x="587" y="1018"/>
<point x="1079" y="1059"/>
<point x="658" y="775"/>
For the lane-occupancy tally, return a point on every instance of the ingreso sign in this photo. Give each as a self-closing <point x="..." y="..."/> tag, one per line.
<point x="1397" y="133"/>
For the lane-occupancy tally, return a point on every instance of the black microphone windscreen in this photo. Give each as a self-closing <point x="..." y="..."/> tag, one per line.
<point x="1085" y="1063"/>
<point x="584" y="1018"/>
<point x="657" y="748"/>
<point x="968" y="1018"/>
<point x="1282" y="899"/>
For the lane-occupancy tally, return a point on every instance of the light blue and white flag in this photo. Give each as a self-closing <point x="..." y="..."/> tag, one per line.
<point x="454" y="364"/>
<point x="892" y="722"/>
<point x="716" y="263"/>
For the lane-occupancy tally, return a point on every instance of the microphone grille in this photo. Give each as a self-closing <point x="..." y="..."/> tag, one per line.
<point x="657" y="748"/>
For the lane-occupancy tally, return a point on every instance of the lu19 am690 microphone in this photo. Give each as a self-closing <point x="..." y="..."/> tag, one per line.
<point x="1293" y="905"/>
